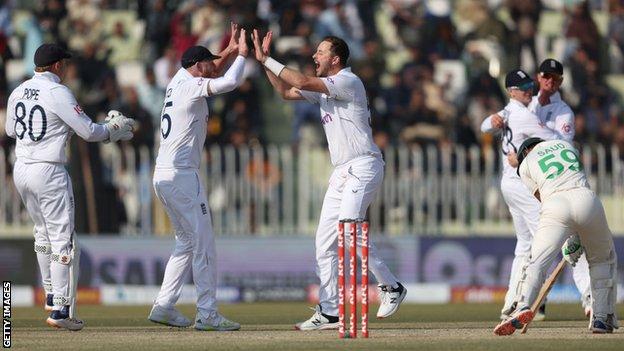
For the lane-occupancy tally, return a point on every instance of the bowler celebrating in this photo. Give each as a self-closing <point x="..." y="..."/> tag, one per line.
<point x="358" y="171"/>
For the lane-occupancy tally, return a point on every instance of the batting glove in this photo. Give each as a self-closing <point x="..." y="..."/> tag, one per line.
<point x="572" y="249"/>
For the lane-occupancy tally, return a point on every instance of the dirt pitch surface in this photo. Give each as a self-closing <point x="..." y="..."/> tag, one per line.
<point x="269" y="326"/>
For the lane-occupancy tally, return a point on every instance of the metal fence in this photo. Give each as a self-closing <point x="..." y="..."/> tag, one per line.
<point x="274" y="190"/>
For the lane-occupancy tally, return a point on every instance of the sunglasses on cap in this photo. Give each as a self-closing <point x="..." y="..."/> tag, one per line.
<point x="552" y="76"/>
<point x="524" y="87"/>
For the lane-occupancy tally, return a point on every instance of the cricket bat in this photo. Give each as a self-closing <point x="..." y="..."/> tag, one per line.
<point x="548" y="284"/>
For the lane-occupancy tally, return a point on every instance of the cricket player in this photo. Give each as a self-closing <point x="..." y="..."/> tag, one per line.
<point x="557" y="116"/>
<point x="516" y="124"/>
<point x="553" y="173"/>
<point x="42" y="114"/>
<point x="358" y="172"/>
<point x="178" y="185"/>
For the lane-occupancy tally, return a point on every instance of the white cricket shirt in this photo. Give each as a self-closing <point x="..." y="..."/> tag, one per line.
<point x="520" y="124"/>
<point x="557" y="115"/>
<point x="41" y="115"/>
<point x="183" y="122"/>
<point x="553" y="166"/>
<point x="345" y="117"/>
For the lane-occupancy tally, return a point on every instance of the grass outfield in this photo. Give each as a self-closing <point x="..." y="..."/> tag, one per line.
<point x="269" y="326"/>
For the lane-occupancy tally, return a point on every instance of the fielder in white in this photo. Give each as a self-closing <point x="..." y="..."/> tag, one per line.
<point x="42" y="114"/>
<point x="358" y="172"/>
<point x="178" y="185"/>
<point x="517" y="122"/>
<point x="555" y="114"/>
<point x="552" y="171"/>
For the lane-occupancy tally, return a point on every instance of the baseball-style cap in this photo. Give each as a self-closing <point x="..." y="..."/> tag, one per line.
<point x="196" y="54"/>
<point x="48" y="54"/>
<point x="518" y="79"/>
<point x="551" y="66"/>
<point x="525" y="145"/>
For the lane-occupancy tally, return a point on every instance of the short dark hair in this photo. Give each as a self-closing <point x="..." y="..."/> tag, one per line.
<point x="339" y="48"/>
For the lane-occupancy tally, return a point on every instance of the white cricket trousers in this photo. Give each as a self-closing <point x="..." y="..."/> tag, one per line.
<point x="352" y="187"/>
<point x="525" y="213"/>
<point x="184" y="198"/>
<point x="563" y="214"/>
<point x="47" y="194"/>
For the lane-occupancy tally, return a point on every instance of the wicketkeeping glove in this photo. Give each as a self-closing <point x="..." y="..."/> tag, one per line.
<point x="572" y="249"/>
<point x="119" y="126"/>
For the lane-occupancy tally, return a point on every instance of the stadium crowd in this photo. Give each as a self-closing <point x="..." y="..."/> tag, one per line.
<point x="432" y="68"/>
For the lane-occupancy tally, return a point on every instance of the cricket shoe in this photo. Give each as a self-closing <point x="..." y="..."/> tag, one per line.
<point x="602" y="325"/>
<point x="60" y="319"/>
<point x="168" y="316"/>
<point x="217" y="323"/>
<point x="391" y="299"/>
<point x="517" y="320"/>
<point x="49" y="302"/>
<point x="318" y="321"/>
<point x="540" y="315"/>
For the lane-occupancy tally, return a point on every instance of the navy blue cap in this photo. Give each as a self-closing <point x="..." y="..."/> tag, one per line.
<point x="196" y="54"/>
<point x="48" y="54"/>
<point x="518" y="79"/>
<point x="551" y="66"/>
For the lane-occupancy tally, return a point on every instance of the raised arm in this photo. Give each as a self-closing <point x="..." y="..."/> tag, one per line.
<point x="234" y="75"/>
<point x="290" y="76"/>
<point x="286" y="91"/>
<point x="230" y="51"/>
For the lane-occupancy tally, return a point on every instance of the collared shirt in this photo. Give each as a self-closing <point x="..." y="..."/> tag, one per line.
<point x="41" y="116"/>
<point x="183" y="122"/>
<point x="345" y="117"/>
<point x="552" y="166"/>
<point x="556" y="115"/>
<point x="520" y="124"/>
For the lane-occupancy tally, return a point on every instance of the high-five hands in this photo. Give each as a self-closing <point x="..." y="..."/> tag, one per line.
<point x="262" y="51"/>
<point x="243" y="49"/>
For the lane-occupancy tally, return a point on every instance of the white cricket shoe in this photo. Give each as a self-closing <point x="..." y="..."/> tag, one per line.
<point x="517" y="320"/>
<point x="391" y="299"/>
<point x="318" y="321"/>
<point x="218" y="323"/>
<point x="170" y="317"/>
<point x="60" y="319"/>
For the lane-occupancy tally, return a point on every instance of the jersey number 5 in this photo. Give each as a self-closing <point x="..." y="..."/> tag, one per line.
<point x="165" y="117"/>
<point x="20" y="116"/>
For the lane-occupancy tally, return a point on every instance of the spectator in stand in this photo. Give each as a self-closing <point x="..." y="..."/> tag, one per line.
<point x="121" y="46"/>
<point x="151" y="96"/>
<point x="50" y="13"/>
<point x="581" y="26"/>
<point x="181" y="36"/>
<point x="166" y="67"/>
<point x="157" y="34"/>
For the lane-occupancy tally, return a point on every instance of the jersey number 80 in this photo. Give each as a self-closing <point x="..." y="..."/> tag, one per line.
<point x="20" y="116"/>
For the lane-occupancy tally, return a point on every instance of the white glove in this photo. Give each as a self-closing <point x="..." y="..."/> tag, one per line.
<point x="572" y="249"/>
<point x="119" y="126"/>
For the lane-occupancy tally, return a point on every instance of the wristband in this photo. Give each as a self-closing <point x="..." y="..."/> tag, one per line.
<point x="273" y="66"/>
